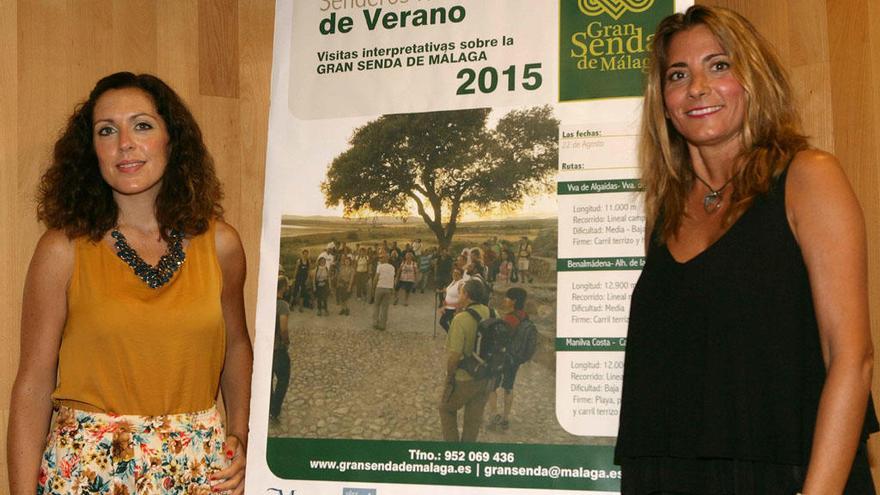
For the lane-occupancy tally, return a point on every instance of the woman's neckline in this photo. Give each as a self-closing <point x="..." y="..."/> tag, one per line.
<point x="711" y="246"/>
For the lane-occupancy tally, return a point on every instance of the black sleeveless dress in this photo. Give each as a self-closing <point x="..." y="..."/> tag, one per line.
<point x="724" y="367"/>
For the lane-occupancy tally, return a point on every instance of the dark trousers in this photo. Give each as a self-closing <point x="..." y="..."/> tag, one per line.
<point x="321" y="293"/>
<point x="281" y="373"/>
<point x="299" y="290"/>
<point x="360" y="284"/>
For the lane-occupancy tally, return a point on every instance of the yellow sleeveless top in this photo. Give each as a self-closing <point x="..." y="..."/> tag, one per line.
<point x="130" y="349"/>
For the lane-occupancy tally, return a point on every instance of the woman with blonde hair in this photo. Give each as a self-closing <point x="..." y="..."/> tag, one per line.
<point x="749" y="358"/>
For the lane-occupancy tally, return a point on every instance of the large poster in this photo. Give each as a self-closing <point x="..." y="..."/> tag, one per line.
<point x="488" y="139"/>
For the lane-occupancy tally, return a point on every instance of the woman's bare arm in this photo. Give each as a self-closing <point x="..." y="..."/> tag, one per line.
<point x="235" y="382"/>
<point x="44" y="311"/>
<point x="828" y="224"/>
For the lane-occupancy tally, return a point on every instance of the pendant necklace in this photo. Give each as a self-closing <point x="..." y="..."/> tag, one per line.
<point x="712" y="199"/>
<point x="159" y="275"/>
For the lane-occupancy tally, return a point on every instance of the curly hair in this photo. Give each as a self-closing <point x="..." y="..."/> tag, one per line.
<point x="74" y="197"/>
<point x="771" y="133"/>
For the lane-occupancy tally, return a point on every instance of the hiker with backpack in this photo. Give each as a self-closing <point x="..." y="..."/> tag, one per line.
<point x="523" y="342"/>
<point x="464" y="388"/>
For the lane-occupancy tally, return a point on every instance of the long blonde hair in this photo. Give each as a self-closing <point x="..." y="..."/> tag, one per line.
<point x="771" y="134"/>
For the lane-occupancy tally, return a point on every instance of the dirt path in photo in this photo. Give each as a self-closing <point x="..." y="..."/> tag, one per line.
<point x="353" y="382"/>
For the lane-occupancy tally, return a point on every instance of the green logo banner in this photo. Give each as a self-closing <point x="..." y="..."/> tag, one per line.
<point x="604" y="46"/>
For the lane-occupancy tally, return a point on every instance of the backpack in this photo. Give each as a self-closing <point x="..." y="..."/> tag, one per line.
<point x="523" y="342"/>
<point x="490" y="347"/>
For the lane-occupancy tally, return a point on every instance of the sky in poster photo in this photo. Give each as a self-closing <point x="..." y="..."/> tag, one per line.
<point x="327" y="139"/>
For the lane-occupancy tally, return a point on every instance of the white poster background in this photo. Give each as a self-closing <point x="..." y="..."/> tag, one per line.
<point x="312" y="117"/>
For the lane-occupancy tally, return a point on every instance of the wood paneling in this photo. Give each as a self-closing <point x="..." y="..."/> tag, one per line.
<point x="810" y="74"/>
<point x="52" y="53"/>
<point x="179" y="44"/>
<point x="133" y="34"/>
<point x="255" y="51"/>
<point x="10" y="286"/>
<point x="218" y="47"/>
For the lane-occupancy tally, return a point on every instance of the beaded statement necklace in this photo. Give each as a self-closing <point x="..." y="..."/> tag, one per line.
<point x="159" y="275"/>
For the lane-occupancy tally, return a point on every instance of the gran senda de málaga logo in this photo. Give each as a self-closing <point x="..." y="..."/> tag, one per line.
<point x="614" y="8"/>
<point x="604" y="46"/>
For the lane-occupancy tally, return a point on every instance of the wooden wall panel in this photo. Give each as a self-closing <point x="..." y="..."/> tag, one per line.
<point x="90" y="33"/>
<point x="10" y="287"/>
<point x="52" y="53"/>
<point x="218" y="47"/>
<point x="220" y="118"/>
<point x="255" y="51"/>
<point x="810" y="72"/>
<point x="178" y="43"/>
<point x="133" y="32"/>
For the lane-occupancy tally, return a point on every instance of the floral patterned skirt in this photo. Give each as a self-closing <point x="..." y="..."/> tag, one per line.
<point x="101" y="453"/>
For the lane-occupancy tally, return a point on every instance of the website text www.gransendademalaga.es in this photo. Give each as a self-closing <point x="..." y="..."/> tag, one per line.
<point x="476" y="469"/>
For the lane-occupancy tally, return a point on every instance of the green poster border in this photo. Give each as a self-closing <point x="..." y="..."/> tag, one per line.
<point x="290" y="458"/>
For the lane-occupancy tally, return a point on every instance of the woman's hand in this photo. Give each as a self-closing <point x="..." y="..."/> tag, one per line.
<point x="231" y="478"/>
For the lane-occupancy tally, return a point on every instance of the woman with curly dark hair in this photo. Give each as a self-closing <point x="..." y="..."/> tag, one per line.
<point x="133" y="310"/>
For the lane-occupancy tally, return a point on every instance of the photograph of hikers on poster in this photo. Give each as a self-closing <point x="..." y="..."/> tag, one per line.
<point x="435" y="222"/>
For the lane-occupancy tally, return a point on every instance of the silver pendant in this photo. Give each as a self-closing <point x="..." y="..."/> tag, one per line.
<point x="712" y="202"/>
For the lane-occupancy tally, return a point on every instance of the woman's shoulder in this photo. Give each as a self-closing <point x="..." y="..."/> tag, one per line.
<point x="56" y="245"/>
<point x="230" y="252"/>
<point x="816" y="188"/>
<point x="54" y="255"/>
<point x="226" y="237"/>
<point x="814" y="171"/>
<point x="811" y="166"/>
